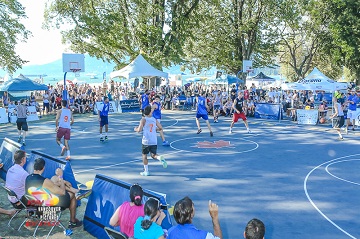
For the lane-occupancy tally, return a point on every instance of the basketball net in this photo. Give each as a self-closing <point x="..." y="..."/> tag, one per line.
<point x="76" y="71"/>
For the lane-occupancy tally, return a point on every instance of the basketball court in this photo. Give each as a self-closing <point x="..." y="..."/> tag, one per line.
<point x="299" y="180"/>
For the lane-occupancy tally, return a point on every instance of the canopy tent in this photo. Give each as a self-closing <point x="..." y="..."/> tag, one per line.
<point x="233" y="79"/>
<point x="21" y="83"/>
<point x="262" y="77"/>
<point x="316" y="80"/>
<point x="139" y="67"/>
<point x="196" y="79"/>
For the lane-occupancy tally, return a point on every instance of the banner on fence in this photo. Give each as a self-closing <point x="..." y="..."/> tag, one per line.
<point x="307" y="116"/>
<point x="268" y="111"/>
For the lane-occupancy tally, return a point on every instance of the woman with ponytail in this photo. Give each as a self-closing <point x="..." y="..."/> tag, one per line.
<point x="148" y="227"/>
<point x="125" y="216"/>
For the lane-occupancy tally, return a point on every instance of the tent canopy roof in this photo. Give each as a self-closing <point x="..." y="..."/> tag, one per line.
<point x="21" y="83"/>
<point x="139" y="67"/>
<point x="262" y="77"/>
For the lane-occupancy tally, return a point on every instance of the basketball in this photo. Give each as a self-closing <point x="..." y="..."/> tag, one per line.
<point x="322" y="120"/>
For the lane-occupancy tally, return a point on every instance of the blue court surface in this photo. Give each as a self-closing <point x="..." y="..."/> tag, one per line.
<point x="299" y="180"/>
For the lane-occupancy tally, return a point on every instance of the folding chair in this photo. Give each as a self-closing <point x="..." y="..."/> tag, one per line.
<point x="114" y="234"/>
<point x="30" y="211"/>
<point x="52" y="223"/>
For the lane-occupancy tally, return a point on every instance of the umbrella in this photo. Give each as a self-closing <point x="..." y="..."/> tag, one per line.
<point x="262" y="77"/>
<point x="21" y="83"/>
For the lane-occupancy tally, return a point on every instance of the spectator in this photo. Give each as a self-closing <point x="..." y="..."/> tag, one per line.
<point x="15" y="179"/>
<point x="125" y="216"/>
<point x="184" y="212"/>
<point x="46" y="103"/>
<point x="148" y="227"/>
<point x="5" y="99"/>
<point x="255" y="229"/>
<point x="66" y="199"/>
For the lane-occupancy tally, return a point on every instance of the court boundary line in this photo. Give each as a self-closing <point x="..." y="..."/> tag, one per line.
<point x="341" y="179"/>
<point x="314" y="205"/>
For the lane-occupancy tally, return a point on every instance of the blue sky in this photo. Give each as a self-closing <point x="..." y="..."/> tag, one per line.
<point x="44" y="46"/>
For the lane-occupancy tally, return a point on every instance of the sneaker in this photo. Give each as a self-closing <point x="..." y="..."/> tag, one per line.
<point x="165" y="143"/>
<point x="230" y="131"/>
<point x="199" y="131"/>
<point x="67" y="158"/>
<point x="162" y="161"/>
<point x="19" y="139"/>
<point x="211" y="134"/>
<point x="101" y="139"/>
<point x="353" y="129"/>
<point x="77" y="223"/>
<point x="249" y="131"/>
<point x="145" y="173"/>
<point x="340" y="138"/>
<point x="23" y="143"/>
<point x="82" y="194"/>
<point x="63" y="150"/>
<point x="106" y="138"/>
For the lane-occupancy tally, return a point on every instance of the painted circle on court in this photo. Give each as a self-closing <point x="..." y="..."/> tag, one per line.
<point x="343" y="174"/>
<point x="211" y="145"/>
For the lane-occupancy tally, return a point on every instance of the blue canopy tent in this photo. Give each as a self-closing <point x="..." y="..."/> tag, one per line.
<point x="21" y="83"/>
<point x="234" y="80"/>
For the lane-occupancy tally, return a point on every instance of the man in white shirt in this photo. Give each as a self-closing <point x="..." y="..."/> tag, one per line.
<point x="15" y="178"/>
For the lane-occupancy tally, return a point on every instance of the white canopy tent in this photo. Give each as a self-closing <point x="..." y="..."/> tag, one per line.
<point x="139" y="67"/>
<point x="316" y="80"/>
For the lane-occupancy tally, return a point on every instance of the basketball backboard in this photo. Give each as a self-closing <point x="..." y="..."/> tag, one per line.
<point x="73" y="62"/>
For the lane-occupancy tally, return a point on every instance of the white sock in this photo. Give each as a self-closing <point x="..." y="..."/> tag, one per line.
<point x="146" y="168"/>
<point x="101" y="135"/>
<point x="61" y="145"/>
<point x="106" y="134"/>
<point x="68" y="153"/>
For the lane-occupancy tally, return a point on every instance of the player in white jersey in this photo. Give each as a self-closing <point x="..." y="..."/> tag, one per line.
<point x="148" y="125"/>
<point x="338" y="117"/>
<point x="217" y="105"/>
<point x="64" y="120"/>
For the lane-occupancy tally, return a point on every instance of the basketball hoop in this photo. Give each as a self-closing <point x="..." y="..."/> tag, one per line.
<point x="76" y="71"/>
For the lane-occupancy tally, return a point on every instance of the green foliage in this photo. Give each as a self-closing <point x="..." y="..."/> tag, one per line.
<point x="114" y="30"/>
<point x="11" y="32"/>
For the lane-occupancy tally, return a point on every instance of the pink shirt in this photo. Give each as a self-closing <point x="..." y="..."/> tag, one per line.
<point x="127" y="217"/>
<point x="15" y="180"/>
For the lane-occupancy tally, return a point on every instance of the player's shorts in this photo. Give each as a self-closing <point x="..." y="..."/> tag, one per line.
<point x="204" y="116"/>
<point x="63" y="132"/>
<point x="64" y="200"/>
<point x="104" y="120"/>
<point x="46" y="106"/>
<point x="22" y="124"/>
<point x="236" y="116"/>
<point x="351" y="114"/>
<point x="216" y="107"/>
<point x="339" y="122"/>
<point x="149" y="149"/>
<point x="158" y="120"/>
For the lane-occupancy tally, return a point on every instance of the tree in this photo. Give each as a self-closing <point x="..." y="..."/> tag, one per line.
<point x="116" y="30"/>
<point x="231" y="31"/>
<point x="11" y="32"/>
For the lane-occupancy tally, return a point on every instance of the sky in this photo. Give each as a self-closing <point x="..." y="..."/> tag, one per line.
<point x="44" y="46"/>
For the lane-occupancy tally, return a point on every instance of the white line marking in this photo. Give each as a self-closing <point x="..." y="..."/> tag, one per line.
<point x="348" y="181"/>
<point x="313" y="204"/>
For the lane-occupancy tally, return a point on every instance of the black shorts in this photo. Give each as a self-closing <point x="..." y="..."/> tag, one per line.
<point x="22" y="124"/>
<point x="64" y="200"/>
<point x="339" y="122"/>
<point x="149" y="149"/>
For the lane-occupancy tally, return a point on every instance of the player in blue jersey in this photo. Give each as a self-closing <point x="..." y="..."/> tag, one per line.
<point x="352" y="101"/>
<point x="148" y="125"/>
<point x="202" y="112"/>
<point x="144" y="100"/>
<point x="156" y="108"/>
<point x="103" y="118"/>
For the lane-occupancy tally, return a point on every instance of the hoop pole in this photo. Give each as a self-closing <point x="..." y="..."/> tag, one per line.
<point x="65" y="91"/>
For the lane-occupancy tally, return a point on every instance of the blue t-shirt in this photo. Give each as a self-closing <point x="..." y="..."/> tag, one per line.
<point x="201" y="109"/>
<point x="144" y="101"/>
<point x="105" y="109"/>
<point x="157" y="112"/>
<point x="186" y="231"/>
<point x="355" y="99"/>
<point x="153" y="232"/>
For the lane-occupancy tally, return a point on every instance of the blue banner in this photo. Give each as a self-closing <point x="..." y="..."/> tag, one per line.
<point x="268" y="111"/>
<point x="130" y="105"/>
<point x="107" y="195"/>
